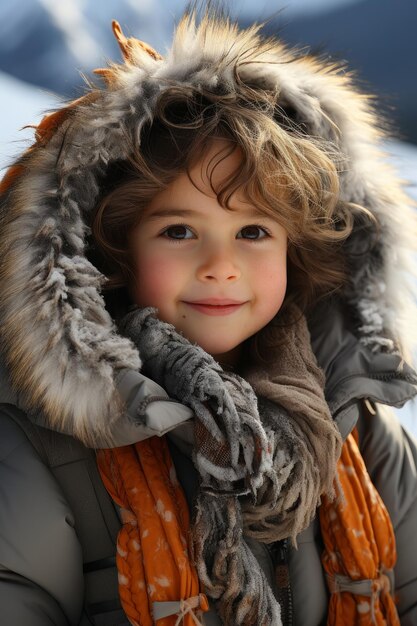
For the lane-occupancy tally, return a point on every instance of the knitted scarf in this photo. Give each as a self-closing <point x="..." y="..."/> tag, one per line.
<point x="263" y="468"/>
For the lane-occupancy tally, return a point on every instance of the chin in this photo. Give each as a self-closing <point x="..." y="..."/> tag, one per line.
<point x="215" y="348"/>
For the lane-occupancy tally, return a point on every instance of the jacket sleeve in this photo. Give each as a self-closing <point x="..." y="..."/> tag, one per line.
<point x="41" y="571"/>
<point x="390" y="454"/>
<point x="148" y="407"/>
<point x="148" y="412"/>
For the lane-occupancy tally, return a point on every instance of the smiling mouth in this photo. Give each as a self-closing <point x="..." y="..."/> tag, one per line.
<point x="215" y="309"/>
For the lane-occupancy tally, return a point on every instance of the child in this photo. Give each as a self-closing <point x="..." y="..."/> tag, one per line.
<point x="254" y="248"/>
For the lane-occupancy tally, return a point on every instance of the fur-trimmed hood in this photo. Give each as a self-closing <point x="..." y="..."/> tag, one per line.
<point x="61" y="347"/>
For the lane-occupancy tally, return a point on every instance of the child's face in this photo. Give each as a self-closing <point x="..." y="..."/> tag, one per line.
<point x="218" y="276"/>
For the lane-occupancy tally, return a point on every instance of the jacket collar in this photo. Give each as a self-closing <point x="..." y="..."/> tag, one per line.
<point x="353" y="371"/>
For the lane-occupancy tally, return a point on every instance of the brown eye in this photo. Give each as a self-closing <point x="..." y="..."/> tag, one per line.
<point x="177" y="231"/>
<point x="253" y="232"/>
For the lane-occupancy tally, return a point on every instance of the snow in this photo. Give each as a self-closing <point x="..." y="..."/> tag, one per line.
<point x="20" y="105"/>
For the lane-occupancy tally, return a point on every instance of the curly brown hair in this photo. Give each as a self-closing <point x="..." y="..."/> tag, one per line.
<point x="283" y="171"/>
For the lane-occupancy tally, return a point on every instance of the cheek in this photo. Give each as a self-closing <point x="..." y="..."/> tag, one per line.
<point x="271" y="284"/>
<point x="155" y="279"/>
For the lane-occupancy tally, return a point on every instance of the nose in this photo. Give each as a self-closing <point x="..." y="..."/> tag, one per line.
<point x="219" y="264"/>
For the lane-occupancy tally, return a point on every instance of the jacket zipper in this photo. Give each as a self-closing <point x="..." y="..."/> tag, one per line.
<point x="279" y="554"/>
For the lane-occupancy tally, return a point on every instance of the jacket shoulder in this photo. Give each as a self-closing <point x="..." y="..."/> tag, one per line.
<point x="36" y="535"/>
<point x="390" y="454"/>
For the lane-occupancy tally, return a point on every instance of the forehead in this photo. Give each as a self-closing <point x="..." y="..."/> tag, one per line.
<point x="205" y="179"/>
<point x="220" y="161"/>
<point x="164" y="210"/>
<point x="186" y="197"/>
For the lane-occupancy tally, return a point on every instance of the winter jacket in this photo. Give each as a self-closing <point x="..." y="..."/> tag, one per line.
<point x="35" y="544"/>
<point x="71" y="382"/>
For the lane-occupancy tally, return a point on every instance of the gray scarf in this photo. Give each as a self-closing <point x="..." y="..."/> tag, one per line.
<point x="263" y="464"/>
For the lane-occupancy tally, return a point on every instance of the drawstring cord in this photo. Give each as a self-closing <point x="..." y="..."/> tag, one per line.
<point x="182" y="608"/>
<point x="187" y="608"/>
<point x="379" y="587"/>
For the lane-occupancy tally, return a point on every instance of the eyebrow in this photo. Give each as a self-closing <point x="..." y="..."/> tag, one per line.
<point x="168" y="212"/>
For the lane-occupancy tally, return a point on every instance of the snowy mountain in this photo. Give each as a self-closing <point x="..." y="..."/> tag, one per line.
<point x="50" y="43"/>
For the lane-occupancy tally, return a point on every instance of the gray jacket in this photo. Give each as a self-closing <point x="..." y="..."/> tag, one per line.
<point x="71" y="376"/>
<point x="56" y="569"/>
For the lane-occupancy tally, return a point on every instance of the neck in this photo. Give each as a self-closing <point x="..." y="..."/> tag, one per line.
<point x="229" y="360"/>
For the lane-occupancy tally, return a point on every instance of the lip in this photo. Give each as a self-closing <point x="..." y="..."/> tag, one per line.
<point x="215" y="306"/>
<point x="216" y="301"/>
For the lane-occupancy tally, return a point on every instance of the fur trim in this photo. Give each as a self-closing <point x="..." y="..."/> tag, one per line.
<point x="59" y="341"/>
